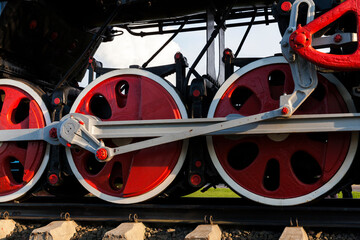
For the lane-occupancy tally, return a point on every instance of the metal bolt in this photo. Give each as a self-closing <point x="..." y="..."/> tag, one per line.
<point x="101" y="154"/>
<point x="195" y="180"/>
<point x="338" y="38"/>
<point x="285" y="110"/>
<point x="286" y="6"/>
<point x="57" y="101"/>
<point x="178" y="56"/>
<point x="54" y="36"/>
<point x="292" y="58"/>
<point x="53" y="133"/>
<point x="198" y="164"/>
<point x="33" y="24"/>
<point x="196" y="93"/>
<point x="53" y="179"/>
<point x="300" y="40"/>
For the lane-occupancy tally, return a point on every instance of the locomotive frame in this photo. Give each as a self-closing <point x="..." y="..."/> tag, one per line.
<point x="122" y="152"/>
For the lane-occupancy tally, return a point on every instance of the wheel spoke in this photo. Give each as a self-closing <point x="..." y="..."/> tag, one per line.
<point x="5" y="181"/>
<point x="20" y="161"/>
<point x="130" y="177"/>
<point x="119" y="177"/>
<point x="254" y="173"/>
<point x="103" y="177"/>
<point x="130" y="111"/>
<point x="9" y="104"/>
<point x="149" y="160"/>
<point x="290" y="186"/>
<point x="16" y="152"/>
<point x="35" y="119"/>
<point x="292" y="167"/>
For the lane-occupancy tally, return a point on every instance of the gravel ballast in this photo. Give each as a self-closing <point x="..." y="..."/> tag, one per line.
<point x="95" y="231"/>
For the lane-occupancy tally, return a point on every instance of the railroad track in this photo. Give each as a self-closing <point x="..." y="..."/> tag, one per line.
<point x="328" y="212"/>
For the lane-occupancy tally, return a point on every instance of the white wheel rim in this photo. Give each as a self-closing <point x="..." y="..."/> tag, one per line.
<point x="162" y="186"/>
<point x="290" y="201"/>
<point x="38" y="174"/>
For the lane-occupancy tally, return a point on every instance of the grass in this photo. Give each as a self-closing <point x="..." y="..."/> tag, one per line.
<point x="214" y="193"/>
<point x="354" y="194"/>
<point x="228" y="193"/>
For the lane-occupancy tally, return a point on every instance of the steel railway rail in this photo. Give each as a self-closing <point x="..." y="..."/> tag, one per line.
<point x="342" y="213"/>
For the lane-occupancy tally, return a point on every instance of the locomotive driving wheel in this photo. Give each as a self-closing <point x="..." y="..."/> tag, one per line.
<point x="280" y="169"/>
<point x="21" y="163"/>
<point x="131" y="94"/>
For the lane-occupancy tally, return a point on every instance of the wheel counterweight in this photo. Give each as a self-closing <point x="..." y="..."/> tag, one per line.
<point x="131" y="94"/>
<point x="21" y="163"/>
<point x="280" y="169"/>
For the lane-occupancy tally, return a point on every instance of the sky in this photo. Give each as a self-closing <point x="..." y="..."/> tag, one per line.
<point x="128" y="50"/>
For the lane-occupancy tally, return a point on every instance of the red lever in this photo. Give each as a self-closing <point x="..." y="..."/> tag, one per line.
<point x="300" y="40"/>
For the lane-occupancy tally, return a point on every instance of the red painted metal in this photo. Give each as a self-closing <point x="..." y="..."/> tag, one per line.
<point x="337" y="38"/>
<point x="57" y="101"/>
<point x="178" y="55"/>
<point x="228" y="52"/>
<point x="53" y="133"/>
<point x="286" y="6"/>
<point x="195" y="180"/>
<point x="196" y="93"/>
<point x="53" y="179"/>
<point x="300" y="40"/>
<point x="285" y="110"/>
<point x="29" y="154"/>
<point x="135" y="173"/>
<point x="101" y="154"/>
<point x="329" y="155"/>
<point x="198" y="164"/>
<point x="33" y="24"/>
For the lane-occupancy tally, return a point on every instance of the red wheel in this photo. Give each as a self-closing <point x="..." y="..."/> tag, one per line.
<point x="280" y="169"/>
<point x="131" y="94"/>
<point x="21" y="163"/>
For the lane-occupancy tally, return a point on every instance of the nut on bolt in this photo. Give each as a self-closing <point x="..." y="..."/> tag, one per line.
<point x="103" y="154"/>
<point x="286" y="6"/>
<point x="338" y="38"/>
<point x="299" y="40"/>
<point x="53" y="133"/>
<point x="285" y="110"/>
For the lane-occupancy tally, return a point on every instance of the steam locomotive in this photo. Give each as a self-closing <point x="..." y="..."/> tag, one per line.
<point x="280" y="130"/>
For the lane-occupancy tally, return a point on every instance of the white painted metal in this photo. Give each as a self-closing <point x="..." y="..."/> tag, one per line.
<point x="26" y="88"/>
<point x="295" y="124"/>
<point x="273" y="201"/>
<point x="89" y="133"/>
<point x="30" y="134"/>
<point x="193" y="132"/>
<point x="210" y="53"/>
<point x="157" y="190"/>
<point x="303" y="72"/>
<point x="328" y="41"/>
<point x="71" y="131"/>
<point x="221" y="74"/>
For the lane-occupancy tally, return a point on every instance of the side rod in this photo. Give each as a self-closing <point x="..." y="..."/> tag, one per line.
<point x="193" y="132"/>
<point x="339" y="122"/>
<point x="86" y="131"/>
